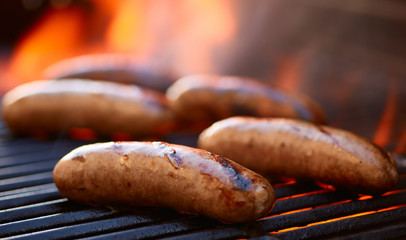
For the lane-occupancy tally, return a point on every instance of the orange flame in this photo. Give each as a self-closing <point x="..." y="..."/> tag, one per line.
<point x="183" y="34"/>
<point x="290" y="71"/>
<point x="198" y="28"/>
<point x="57" y="35"/>
<point x="127" y="31"/>
<point x="401" y="147"/>
<point x="383" y="131"/>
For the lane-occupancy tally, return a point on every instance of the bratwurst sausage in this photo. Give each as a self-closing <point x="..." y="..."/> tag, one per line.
<point x="211" y="98"/>
<point x="294" y="148"/>
<point x="54" y="106"/>
<point x="121" y="68"/>
<point x="157" y="173"/>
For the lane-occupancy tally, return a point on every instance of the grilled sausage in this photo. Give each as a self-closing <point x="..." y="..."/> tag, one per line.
<point x="157" y="173"/>
<point x="209" y="98"/>
<point x="55" y="106"/>
<point x="300" y="149"/>
<point x="120" y="68"/>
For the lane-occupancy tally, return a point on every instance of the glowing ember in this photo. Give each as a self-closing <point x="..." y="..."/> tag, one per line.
<point x="82" y="134"/>
<point x="290" y="182"/>
<point x="305" y="194"/>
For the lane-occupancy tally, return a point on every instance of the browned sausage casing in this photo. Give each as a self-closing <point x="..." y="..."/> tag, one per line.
<point x="300" y="149"/>
<point x="214" y="97"/>
<point x="156" y="173"/>
<point x="122" y="68"/>
<point x="55" y="106"/>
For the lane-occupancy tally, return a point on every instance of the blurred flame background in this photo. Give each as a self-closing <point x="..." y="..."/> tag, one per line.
<point x="349" y="56"/>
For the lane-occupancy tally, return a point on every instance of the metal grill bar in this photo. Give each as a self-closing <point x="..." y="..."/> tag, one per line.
<point x="301" y="218"/>
<point x="287" y="205"/>
<point x="347" y="225"/>
<point x="39" y="155"/>
<point x="393" y="231"/>
<point x="115" y="222"/>
<point x="53" y="221"/>
<point x="27" y="189"/>
<point x="295" y="189"/>
<point x="32" y="168"/>
<point x="25" y="181"/>
<point x="27" y="147"/>
<point x="32" y="208"/>
<point x="37" y="210"/>
<point x="29" y="197"/>
<point x="174" y="227"/>
<point x="75" y="231"/>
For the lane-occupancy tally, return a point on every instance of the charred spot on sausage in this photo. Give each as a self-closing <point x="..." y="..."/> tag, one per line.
<point x="79" y="158"/>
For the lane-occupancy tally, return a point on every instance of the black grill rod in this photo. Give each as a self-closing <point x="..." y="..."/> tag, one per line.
<point x="393" y="231"/>
<point x="24" y="146"/>
<point x="7" y="194"/>
<point x="297" y="219"/>
<point x="29" y="197"/>
<point x="37" y="210"/>
<point x="86" y="229"/>
<point x="54" y="221"/>
<point x="28" y="169"/>
<point x="154" y="231"/>
<point x="360" y="223"/>
<point x="26" y="181"/>
<point x="35" y="156"/>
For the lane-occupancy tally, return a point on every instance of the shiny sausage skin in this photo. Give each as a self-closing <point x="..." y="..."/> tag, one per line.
<point x="121" y="68"/>
<point x="294" y="148"/>
<point x="55" y="106"/>
<point x="157" y="173"/>
<point x="214" y="97"/>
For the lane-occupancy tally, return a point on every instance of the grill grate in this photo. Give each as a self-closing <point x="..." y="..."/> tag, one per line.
<point x="32" y="208"/>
